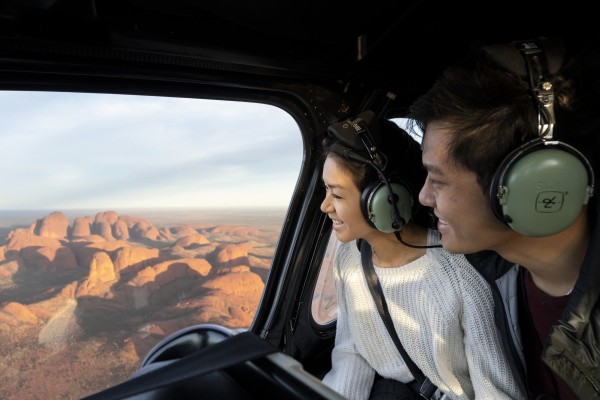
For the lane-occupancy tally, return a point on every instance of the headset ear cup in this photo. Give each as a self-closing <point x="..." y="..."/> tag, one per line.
<point x="540" y="188"/>
<point x="364" y="202"/>
<point x="496" y="185"/>
<point x="379" y="211"/>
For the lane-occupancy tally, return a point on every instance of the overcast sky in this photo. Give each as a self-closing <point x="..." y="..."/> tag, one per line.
<point x="68" y="151"/>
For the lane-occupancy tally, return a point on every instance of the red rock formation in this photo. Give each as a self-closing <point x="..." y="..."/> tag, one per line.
<point x="54" y="225"/>
<point x="88" y="239"/>
<point x="174" y="252"/>
<point x="172" y="281"/>
<point x="236" y="283"/>
<point x="120" y="230"/>
<point x="110" y="217"/>
<point x="135" y="258"/>
<point x="146" y="278"/>
<point x="262" y="263"/>
<point x="49" y="258"/>
<point x="229" y="253"/>
<point x="237" y="268"/>
<point x="100" y="279"/>
<point x="8" y="269"/>
<point x="188" y="241"/>
<point x="173" y="269"/>
<point x="102" y="268"/>
<point x="168" y="271"/>
<point x="109" y="246"/>
<point x="20" y="238"/>
<point x="184" y="230"/>
<point x="133" y="221"/>
<point x="261" y="249"/>
<point x="85" y="250"/>
<point x="139" y="228"/>
<point x="236" y="230"/>
<point x="16" y="313"/>
<point x="104" y="229"/>
<point x="69" y="290"/>
<point x="82" y="227"/>
<point x="239" y="294"/>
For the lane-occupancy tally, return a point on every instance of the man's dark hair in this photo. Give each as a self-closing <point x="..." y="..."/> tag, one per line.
<point x="490" y="112"/>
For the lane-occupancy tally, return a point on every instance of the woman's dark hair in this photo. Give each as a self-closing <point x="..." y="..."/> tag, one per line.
<point x="402" y="153"/>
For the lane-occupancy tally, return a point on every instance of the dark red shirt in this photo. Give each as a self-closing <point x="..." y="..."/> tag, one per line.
<point x="543" y="311"/>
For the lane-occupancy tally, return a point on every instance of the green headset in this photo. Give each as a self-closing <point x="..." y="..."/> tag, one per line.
<point x="540" y="187"/>
<point x="388" y="203"/>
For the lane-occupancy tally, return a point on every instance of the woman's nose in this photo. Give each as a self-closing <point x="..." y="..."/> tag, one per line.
<point x="326" y="204"/>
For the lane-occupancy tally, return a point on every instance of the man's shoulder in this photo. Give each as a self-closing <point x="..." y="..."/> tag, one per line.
<point x="489" y="263"/>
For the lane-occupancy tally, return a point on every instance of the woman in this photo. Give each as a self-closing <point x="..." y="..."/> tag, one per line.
<point x="441" y="307"/>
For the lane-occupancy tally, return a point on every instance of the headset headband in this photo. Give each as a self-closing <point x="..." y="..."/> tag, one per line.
<point x="540" y="86"/>
<point x="355" y="133"/>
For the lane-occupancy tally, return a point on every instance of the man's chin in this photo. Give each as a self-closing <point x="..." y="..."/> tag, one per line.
<point x="449" y="245"/>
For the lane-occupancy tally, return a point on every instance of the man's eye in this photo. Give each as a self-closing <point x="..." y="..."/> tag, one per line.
<point x="435" y="181"/>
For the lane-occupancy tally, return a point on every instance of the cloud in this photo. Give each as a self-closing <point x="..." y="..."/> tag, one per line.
<point x="69" y="150"/>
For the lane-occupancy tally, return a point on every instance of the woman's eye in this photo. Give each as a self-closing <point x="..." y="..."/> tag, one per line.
<point x="327" y="190"/>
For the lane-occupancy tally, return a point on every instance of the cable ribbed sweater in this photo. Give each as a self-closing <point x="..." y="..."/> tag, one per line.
<point x="443" y="312"/>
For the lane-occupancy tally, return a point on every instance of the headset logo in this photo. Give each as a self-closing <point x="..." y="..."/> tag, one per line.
<point x="549" y="201"/>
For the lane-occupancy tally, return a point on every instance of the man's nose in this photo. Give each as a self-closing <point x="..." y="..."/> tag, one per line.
<point x="425" y="197"/>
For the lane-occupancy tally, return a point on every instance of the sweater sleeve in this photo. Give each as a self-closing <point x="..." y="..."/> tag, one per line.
<point x="350" y="373"/>
<point x="489" y="369"/>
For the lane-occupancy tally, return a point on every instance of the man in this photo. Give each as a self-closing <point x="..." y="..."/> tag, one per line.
<point x="510" y="143"/>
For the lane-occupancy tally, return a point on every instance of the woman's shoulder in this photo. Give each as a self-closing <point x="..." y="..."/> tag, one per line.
<point x="347" y="251"/>
<point x="449" y="262"/>
<point x="456" y="268"/>
<point x="348" y="247"/>
<point x="347" y="260"/>
<point x="454" y="261"/>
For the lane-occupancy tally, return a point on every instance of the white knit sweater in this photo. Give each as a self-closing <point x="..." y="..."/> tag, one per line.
<point x="443" y="312"/>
